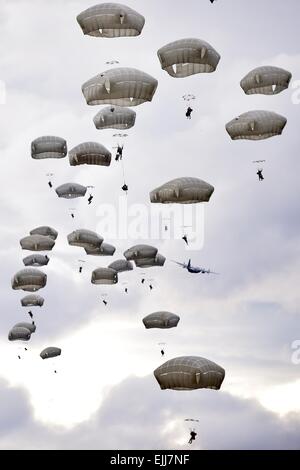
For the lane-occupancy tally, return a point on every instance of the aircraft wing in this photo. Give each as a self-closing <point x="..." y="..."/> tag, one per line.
<point x="180" y="264"/>
<point x="207" y="271"/>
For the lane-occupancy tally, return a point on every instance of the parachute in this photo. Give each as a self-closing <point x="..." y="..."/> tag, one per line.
<point x="162" y="320"/>
<point x="186" y="190"/>
<point x="45" y="231"/>
<point x="111" y="20"/>
<point x="105" y="249"/>
<point x="159" y="260"/>
<point x="30" y="326"/>
<point x="187" y="57"/>
<point x="266" y="80"/>
<point x="115" y="117"/>
<point x="32" y="300"/>
<point x="89" y="153"/>
<point x="19" y="333"/>
<point x="189" y="373"/>
<point x="121" y="265"/>
<point x="85" y="239"/>
<point x="50" y="352"/>
<point x="36" y="260"/>
<point x="120" y="86"/>
<point x="71" y="190"/>
<point x="48" y="147"/>
<point x="104" y="276"/>
<point x="29" y="280"/>
<point x="140" y="252"/>
<point x="37" y="243"/>
<point x="256" y="125"/>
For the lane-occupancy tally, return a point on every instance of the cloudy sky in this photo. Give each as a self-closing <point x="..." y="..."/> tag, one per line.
<point x="104" y="395"/>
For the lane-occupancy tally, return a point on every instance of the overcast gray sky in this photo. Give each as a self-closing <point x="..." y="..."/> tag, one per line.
<point x="246" y="319"/>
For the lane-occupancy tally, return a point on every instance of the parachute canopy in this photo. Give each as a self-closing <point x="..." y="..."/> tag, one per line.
<point x="161" y="320"/>
<point x="186" y="190"/>
<point x="19" y="333"/>
<point x="29" y="279"/>
<point x="256" y="125"/>
<point x="30" y="326"/>
<point x="187" y="57"/>
<point x="159" y="260"/>
<point x="70" y="190"/>
<point x="46" y="231"/>
<point x="48" y="147"/>
<point x="37" y="243"/>
<point x="105" y="249"/>
<point x="120" y="86"/>
<point x="36" y="260"/>
<point x="189" y="373"/>
<point x="267" y="80"/>
<point x="32" y="300"/>
<point x="115" y="117"/>
<point x="121" y="265"/>
<point x="111" y="20"/>
<point x="140" y="252"/>
<point x="85" y="239"/>
<point x="89" y="153"/>
<point x="104" y="276"/>
<point x="50" y="352"/>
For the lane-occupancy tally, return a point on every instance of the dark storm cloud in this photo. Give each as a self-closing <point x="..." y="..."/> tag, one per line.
<point x="136" y="414"/>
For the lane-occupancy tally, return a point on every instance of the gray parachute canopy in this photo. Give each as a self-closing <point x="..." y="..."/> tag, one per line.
<point x="36" y="260"/>
<point x="50" y="352"/>
<point x="111" y="20"/>
<point x="85" y="239"/>
<point x="46" y="231"/>
<point x="29" y="280"/>
<point x="189" y="373"/>
<point x="121" y="265"/>
<point x="48" y="147"/>
<point x="187" y="57"/>
<point x="120" y="86"/>
<point x="32" y="300"/>
<point x="104" y="276"/>
<point x="30" y="326"/>
<point x="70" y="190"/>
<point x="256" y="125"/>
<point x="19" y="333"/>
<point x="89" y="153"/>
<point x="115" y="117"/>
<point x="186" y="190"/>
<point x="161" y="320"/>
<point x="159" y="260"/>
<point x="37" y="243"/>
<point x="104" y="250"/>
<point x="266" y="80"/>
<point x="140" y="252"/>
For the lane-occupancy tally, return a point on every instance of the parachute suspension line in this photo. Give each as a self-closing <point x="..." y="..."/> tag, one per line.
<point x="123" y="170"/>
<point x="124" y="187"/>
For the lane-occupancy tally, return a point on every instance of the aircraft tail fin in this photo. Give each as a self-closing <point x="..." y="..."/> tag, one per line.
<point x="189" y="264"/>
